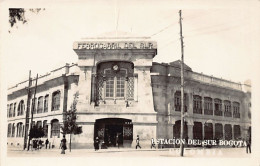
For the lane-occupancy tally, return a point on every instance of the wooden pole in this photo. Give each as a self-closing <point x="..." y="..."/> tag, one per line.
<point x="182" y="89"/>
<point x="32" y="110"/>
<point x="27" y="111"/>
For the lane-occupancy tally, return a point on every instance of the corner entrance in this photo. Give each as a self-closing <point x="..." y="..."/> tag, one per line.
<point x="114" y="132"/>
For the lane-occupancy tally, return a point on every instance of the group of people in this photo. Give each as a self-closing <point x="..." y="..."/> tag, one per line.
<point x="38" y="144"/>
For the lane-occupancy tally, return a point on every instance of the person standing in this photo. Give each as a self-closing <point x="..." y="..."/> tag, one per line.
<point x="248" y="144"/>
<point x="96" y="144"/>
<point x="46" y="143"/>
<point x="63" y="145"/>
<point x="138" y="142"/>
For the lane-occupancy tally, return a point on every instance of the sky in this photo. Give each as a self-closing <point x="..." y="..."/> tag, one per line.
<point x="220" y="39"/>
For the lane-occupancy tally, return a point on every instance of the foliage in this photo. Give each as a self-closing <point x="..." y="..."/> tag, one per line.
<point x="70" y="126"/>
<point x="36" y="132"/>
<point x="18" y="14"/>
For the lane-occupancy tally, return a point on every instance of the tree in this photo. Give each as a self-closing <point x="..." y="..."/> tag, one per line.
<point x="70" y="126"/>
<point x="36" y="132"/>
<point x="18" y="14"/>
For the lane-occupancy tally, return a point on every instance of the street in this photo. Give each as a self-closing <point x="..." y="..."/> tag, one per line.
<point x="115" y="152"/>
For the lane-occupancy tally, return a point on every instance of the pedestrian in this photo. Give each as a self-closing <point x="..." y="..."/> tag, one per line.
<point x="63" y="145"/>
<point x="138" y="142"/>
<point x="248" y="144"/>
<point x="40" y="144"/>
<point x="96" y="144"/>
<point x="117" y="141"/>
<point x="153" y="144"/>
<point x="46" y="143"/>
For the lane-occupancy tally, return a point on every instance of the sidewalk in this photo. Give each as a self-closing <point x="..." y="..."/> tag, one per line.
<point x="130" y="152"/>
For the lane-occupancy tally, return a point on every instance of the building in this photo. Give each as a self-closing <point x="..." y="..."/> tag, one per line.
<point x="123" y="93"/>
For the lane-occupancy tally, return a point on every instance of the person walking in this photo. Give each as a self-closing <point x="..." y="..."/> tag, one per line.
<point x="96" y="144"/>
<point x="138" y="142"/>
<point x="153" y="144"/>
<point x="248" y="144"/>
<point x="46" y="143"/>
<point x="63" y="145"/>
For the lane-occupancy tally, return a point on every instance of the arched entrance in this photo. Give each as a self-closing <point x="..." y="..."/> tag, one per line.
<point x="114" y="132"/>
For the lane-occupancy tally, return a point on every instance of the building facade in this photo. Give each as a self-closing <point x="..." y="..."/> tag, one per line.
<point x="123" y="93"/>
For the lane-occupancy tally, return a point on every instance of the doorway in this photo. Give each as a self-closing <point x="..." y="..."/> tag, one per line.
<point x="114" y="132"/>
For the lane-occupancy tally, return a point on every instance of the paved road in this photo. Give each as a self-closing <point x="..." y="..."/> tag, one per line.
<point x="196" y="152"/>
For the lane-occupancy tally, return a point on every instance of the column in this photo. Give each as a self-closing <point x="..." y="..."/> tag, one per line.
<point x="202" y="104"/>
<point x="223" y="131"/>
<point x="190" y="131"/>
<point x="203" y="130"/>
<point x="135" y="88"/>
<point x="213" y="107"/>
<point x="49" y="130"/>
<point x="233" y="132"/>
<point x="190" y="104"/>
<point x="213" y="128"/>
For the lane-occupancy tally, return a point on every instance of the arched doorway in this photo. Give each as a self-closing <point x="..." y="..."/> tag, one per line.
<point x="197" y="131"/>
<point x="114" y="132"/>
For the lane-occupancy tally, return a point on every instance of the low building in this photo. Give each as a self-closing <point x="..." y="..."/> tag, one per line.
<point x="123" y="93"/>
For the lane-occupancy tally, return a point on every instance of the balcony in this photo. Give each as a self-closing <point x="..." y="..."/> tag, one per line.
<point x="218" y="113"/>
<point x="178" y="108"/>
<point x="208" y="112"/>
<point x="197" y="110"/>
<point x="227" y="114"/>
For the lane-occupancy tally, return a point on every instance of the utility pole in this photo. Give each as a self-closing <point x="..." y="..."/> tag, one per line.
<point x="27" y="111"/>
<point x="182" y="89"/>
<point x="32" y="110"/>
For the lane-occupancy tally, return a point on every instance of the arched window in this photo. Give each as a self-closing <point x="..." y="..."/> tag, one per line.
<point x="46" y="99"/>
<point x="55" y="128"/>
<point x="45" y="128"/>
<point x="7" y="111"/>
<point x="227" y="106"/>
<point x="10" y="110"/>
<point x="14" y="111"/>
<point x="208" y="107"/>
<point x="20" y="108"/>
<point x="13" y="130"/>
<point x="19" y="129"/>
<point x="40" y="105"/>
<point x="218" y="105"/>
<point x="34" y="105"/>
<point x="115" y="81"/>
<point x="177" y="101"/>
<point x="197" y="104"/>
<point x="39" y="124"/>
<point x="236" y="110"/>
<point x="55" y="101"/>
<point x="9" y="130"/>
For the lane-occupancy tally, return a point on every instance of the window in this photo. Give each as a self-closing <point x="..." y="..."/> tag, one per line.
<point x="115" y="84"/>
<point x="10" y="110"/>
<point x="13" y="130"/>
<point x="46" y="99"/>
<point x="34" y="104"/>
<point x="197" y="104"/>
<point x="40" y="105"/>
<point x="115" y="81"/>
<point x="55" y="101"/>
<point x="9" y="130"/>
<point x="7" y="111"/>
<point x="208" y="107"/>
<point x="227" y="106"/>
<point x="14" y="110"/>
<point x="177" y="101"/>
<point x="45" y="128"/>
<point x="218" y="105"/>
<point x="236" y="111"/>
<point x="39" y="124"/>
<point x="55" y="128"/>
<point x="19" y="129"/>
<point x="20" y="108"/>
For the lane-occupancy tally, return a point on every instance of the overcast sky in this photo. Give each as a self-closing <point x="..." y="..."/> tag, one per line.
<point x="220" y="39"/>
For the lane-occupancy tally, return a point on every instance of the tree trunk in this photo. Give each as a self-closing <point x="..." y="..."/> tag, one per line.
<point x="70" y="142"/>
